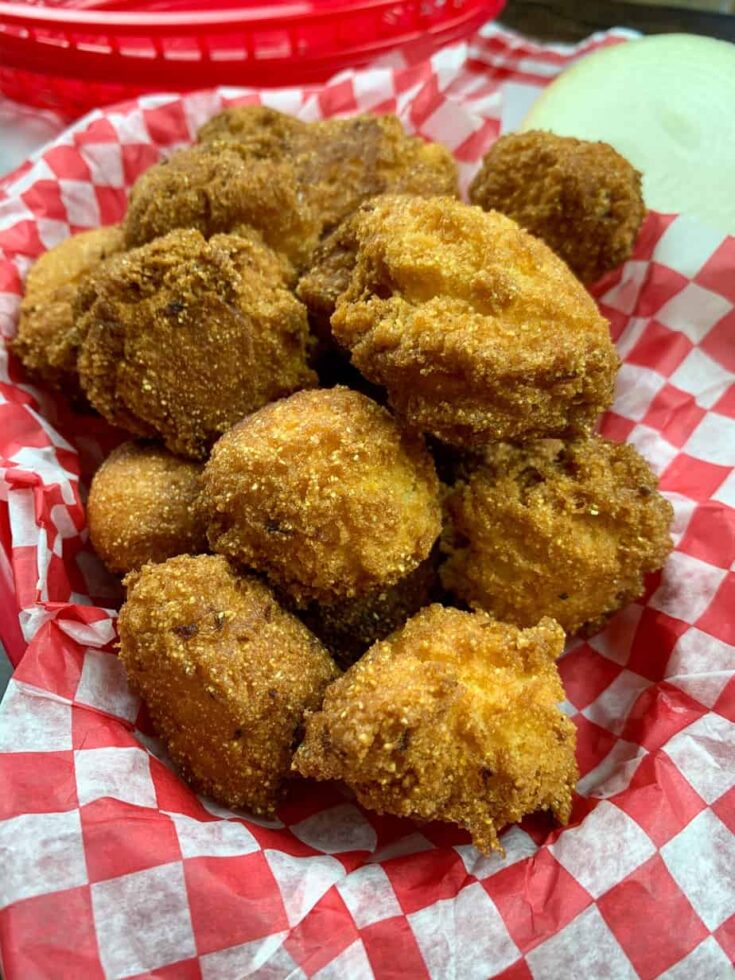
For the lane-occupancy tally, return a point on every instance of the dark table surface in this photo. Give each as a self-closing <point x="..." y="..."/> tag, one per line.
<point x="571" y="20"/>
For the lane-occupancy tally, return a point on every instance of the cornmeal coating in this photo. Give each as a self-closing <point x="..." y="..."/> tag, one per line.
<point x="478" y="331"/>
<point x="143" y="507"/>
<point x="556" y="529"/>
<point x="182" y="337"/>
<point x="454" y="718"/>
<point x="226" y="674"/>
<point x="45" y="340"/>
<point x="349" y="627"/>
<point x="266" y="132"/>
<point x="582" y="198"/>
<point x="343" y="162"/>
<point x="324" y="494"/>
<point x="340" y="162"/>
<point x="217" y="187"/>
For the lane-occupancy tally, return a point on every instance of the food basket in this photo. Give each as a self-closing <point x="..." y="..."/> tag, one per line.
<point x="73" y="56"/>
<point x="113" y="867"/>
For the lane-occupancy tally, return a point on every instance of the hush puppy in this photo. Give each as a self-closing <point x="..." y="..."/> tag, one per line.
<point x="324" y="494"/>
<point x="582" y="198"/>
<point x="267" y="133"/>
<point x="454" y="718"/>
<point x="45" y="341"/>
<point x="143" y="507"/>
<point x="340" y="162"/>
<point x="217" y="187"/>
<point x="182" y="337"/>
<point x="477" y="330"/>
<point x="226" y="674"/>
<point x="555" y="529"/>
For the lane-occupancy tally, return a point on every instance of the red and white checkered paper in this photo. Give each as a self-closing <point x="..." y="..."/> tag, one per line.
<point x="112" y="867"/>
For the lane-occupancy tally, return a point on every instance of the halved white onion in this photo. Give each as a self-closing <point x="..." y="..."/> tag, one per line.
<point x="667" y="103"/>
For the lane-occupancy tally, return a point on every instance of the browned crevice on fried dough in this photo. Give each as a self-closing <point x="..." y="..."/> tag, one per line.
<point x="348" y="627"/>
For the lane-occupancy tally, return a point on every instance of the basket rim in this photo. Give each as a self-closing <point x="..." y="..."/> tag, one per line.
<point x="292" y="14"/>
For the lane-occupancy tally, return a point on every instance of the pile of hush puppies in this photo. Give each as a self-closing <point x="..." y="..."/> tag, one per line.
<point x="364" y="504"/>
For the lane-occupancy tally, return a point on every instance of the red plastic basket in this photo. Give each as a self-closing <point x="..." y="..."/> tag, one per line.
<point x="74" y="56"/>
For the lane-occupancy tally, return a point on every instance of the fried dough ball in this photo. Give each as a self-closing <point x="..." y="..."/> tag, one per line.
<point x="454" y="718"/>
<point x="324" y="494"/>
<point x="217" y="187"/>
<point x="226" y="674"/>
<point x="478" y="331"/>
<point x="582" y="198"/>
<point x="143" y="507"/>
<point x="45" y="338"/>
<point x="182" y="337"/>
<point x="349" y="627"/>
<point x="266" y="132"/>
<point x="341" y="162"/>
<point x="556" y="529"/>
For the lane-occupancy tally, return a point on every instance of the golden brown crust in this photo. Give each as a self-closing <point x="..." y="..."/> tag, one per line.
<point x="349" y="627"/>
<point x="143" y="507"/>
<point x="266" y="132"/>
<point x="324" y="494"/>
<point x="340" y="162"/>
<point x="478" y="331"/>
<point x="582" y="198"/>
<point x="216" y="187"/>
<point x="452" y="718"/>
<point x="290" y="180"/>
<point x="183" y="337"/>
<point x="554" y="529"/>
<point x="225" y="672"/>
<point x="343" y="162"/>
<point x="45" y="338"/>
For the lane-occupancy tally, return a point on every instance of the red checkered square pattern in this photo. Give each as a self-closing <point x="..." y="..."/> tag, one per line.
<point x="113" y="867"/>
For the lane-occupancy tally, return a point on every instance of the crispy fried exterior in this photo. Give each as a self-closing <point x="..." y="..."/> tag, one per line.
<point x="182" y="337"/>
<point x="583" y="199"/>
<point x="452" y="718"/>
<point x="345" y="161"/>
<point x="45" y="338"/>
<point x="217" y="187"/>
<point x="478" y="331"/>
<point x="341" y="162"/>
<point x="265" y="131"/>
<point x="329" y="276"/>
<point x="226" y="674"/>
<point x="143" y="507"/>
<point x="323" y="493"/>
<point x="349" y="627"/>
<point x="290" y="180"/>
<point x="555" y="529"/>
